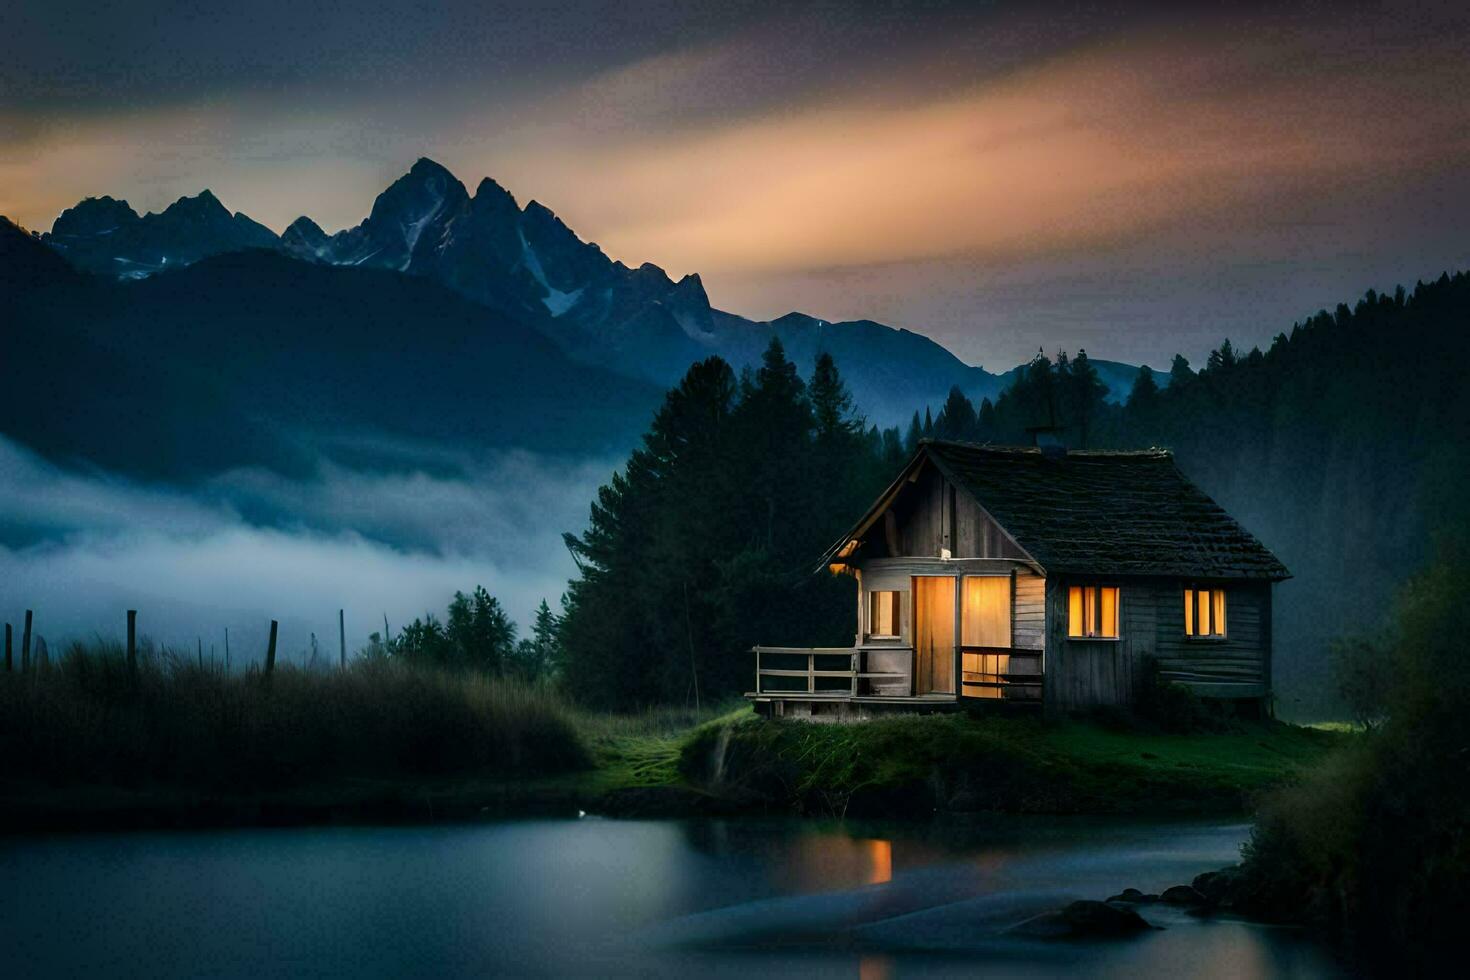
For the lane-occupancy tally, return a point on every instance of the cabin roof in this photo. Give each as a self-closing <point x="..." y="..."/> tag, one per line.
<point x="1091" y="512"/>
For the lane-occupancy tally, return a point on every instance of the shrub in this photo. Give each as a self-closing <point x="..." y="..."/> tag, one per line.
<point x="1362" y="669"/>
<point x="1176" y="709"/>
<point x="1375" y="847"/>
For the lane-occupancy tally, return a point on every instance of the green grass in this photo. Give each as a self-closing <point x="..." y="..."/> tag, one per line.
<point x="913" y="765"/>
<point x="384" y="740"/>
<point x="89" y="720"/>
<point x="643" y="750"/>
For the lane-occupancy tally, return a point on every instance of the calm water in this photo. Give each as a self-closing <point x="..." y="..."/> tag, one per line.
<point x="615" y="898"/>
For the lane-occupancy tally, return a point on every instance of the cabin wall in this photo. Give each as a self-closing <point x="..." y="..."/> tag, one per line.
<point x="1092" y="673"/>
<point x="1239" y="666"/>
<point x="1028" y="608"/>
<point x="1028" y="611"/>
<point x="930" y="515"/>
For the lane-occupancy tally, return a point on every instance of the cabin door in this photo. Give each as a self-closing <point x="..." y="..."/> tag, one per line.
<point x="934" y="616"/>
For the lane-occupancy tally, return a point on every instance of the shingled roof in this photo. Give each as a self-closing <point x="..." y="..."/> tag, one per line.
<point x="1104" y="513"/>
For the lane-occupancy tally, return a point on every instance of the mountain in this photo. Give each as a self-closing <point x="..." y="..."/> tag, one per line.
<point x="527" y="264"/>
<point x="25" y="264"/>
<point x="254" y="358"/>
<point x="106" y="236"/>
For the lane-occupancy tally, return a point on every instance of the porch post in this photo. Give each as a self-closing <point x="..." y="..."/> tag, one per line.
<point x="959" y="644"/>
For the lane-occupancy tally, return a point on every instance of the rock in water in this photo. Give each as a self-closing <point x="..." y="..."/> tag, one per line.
<point x="1182" y="895"/>
<point x="1218" y="886"/>
<point x="1085" y="919"/>
<point x="1134" y="897"/>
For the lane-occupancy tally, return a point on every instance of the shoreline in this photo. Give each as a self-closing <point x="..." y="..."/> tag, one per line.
<point x="915" y="770"/>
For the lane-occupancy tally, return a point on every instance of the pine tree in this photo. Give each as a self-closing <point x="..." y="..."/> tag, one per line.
<point x="1142" y="407"/>
<point x="538" y="657"/>
<point x="652" y="534"/>
<point x="480" y="634"/>
<point x="1222" y="359"/>
<point x="1180" y="374"/>
<point x="832" y="410"/>
<point x="916" y="432"/>
<point x="985" y="421"/>
<point x="893" y="454"/>
<point x="1143" y="399"/>
<point x="957" y="417"/>
<point x="1085" y="396"/>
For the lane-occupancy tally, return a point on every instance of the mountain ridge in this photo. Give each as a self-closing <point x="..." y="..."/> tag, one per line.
<point x="254" y="358"/>
<point x="526" y="262"/>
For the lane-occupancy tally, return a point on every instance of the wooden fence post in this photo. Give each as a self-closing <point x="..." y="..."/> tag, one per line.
<point x="132" y="641"/>
<point x="200" y="649"/>
<point x="270" y="650"/>
<point x="7" y="649"/>
<point x="342" y="636"/>
<point x="227" y="649"/>
<point x="25" y="643"/>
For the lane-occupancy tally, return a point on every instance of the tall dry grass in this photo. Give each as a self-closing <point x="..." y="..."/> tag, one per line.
<point x="85" y="718"/>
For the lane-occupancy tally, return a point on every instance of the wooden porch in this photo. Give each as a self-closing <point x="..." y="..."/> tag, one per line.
<point x="871" y="679"/>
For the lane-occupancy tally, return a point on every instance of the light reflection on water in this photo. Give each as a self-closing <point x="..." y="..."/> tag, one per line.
<point x="614" y="898"/>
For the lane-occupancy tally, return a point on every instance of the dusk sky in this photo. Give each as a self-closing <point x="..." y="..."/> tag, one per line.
<point x="999" y="178"/>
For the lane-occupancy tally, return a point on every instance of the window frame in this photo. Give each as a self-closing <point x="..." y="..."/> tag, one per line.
<point x="1010" y="611"/>
<point x="897" y="633"/>
<point x="1117" y="612"/>
<point x="1192" y="591"/>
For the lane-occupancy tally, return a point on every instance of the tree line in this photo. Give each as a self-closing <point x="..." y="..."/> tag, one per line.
<point x="476" y="635"/>
<point x="1340" y="445"/>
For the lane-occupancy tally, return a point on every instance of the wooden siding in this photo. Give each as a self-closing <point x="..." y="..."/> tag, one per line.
<point x="1028" y="618"/>
<point x="1236" y="666"/>
<point x="1028" y="609"/>
<point x="896" y="574"/>
<point x="930" y="515"/>
<point x="1086" y="673"/>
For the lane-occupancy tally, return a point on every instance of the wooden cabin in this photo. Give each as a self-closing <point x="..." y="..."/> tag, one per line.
<point x="1036" y="577"/>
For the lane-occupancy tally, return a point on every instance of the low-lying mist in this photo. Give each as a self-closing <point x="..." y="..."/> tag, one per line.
<point x="80" y="547"/>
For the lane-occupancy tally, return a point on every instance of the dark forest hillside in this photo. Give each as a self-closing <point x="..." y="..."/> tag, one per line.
<point x="1340" y="447"/>
<point x="253" y="358"/>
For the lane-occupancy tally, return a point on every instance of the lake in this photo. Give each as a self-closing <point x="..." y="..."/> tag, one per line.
<point x="591" y="897"/>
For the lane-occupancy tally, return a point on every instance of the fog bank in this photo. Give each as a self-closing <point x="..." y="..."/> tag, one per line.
<point x="82" y="547"/>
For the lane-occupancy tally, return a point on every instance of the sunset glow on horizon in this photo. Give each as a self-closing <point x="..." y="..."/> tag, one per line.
<point x="931" y="182"/>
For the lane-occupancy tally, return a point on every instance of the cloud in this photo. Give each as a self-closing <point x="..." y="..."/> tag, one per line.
<point x="1082" y="150"/>
<point x="85" y="547"/>
<point x="888" y="165"/>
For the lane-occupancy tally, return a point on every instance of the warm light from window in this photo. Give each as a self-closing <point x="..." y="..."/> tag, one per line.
<point x="985" y="619"/>
<point x="985" y="674"/>
<point x="880" y="857"/>
<point x="1092" y="612"/>
<point x="883" y="615"/>
<point x="1204" y="612"/>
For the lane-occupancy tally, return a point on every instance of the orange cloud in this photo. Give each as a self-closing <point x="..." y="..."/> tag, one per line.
<point x="1099" y="146"/>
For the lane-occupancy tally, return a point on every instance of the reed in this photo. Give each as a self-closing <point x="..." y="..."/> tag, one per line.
<point x="86" y="718"/>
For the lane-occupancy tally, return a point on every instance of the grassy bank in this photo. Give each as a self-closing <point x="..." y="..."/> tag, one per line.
<point x="915" y="765"/>
<point x="85" y="732"/>
<point x="88" y="744"/>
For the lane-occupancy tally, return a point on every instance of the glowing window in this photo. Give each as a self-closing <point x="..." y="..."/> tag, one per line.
<point x="985" y="619"/>
<point x="883" y="616"/>
<point x="1204" y="612"/>
<point x="1092" y="612"/>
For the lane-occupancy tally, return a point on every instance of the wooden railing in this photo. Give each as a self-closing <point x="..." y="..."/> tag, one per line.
<point x="1008" y="674"/>
<point x="822" y="663"/>
<point x="840" y="672"/>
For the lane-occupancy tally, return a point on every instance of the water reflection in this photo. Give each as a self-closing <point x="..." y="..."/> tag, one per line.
<point x="880" y="855"/>
<point x="612" y="898"/>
